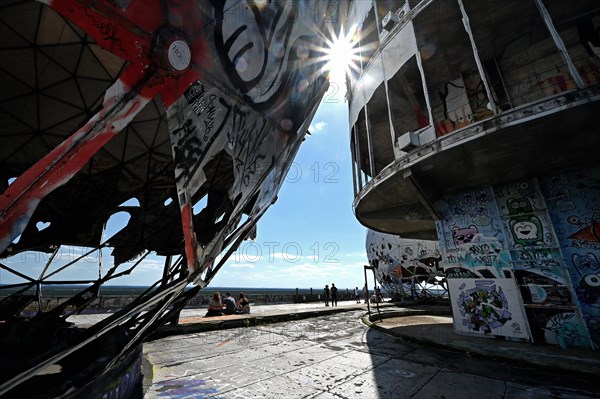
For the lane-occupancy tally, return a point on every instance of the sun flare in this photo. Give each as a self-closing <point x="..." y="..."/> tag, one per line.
<point x="342" y="54"/>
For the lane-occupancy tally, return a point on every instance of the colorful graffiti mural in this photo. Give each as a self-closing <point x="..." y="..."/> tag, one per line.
<point x="573" y="201"/>
<point x="485" y="306"/>
<point x="540" y="238"/>
<point x="471" y="236"/>
<point x="186" y="388"/>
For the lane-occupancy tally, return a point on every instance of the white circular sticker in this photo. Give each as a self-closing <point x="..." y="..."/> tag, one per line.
<point x="179" y="55"/>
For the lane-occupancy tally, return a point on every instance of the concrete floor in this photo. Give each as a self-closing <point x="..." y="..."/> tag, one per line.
<point x="337" y="356"/>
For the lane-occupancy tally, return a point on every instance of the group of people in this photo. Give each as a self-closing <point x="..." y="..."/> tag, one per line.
<point x="330" y="293"/>
<point x="227" y="306"/>
<point x="376" y="297"/>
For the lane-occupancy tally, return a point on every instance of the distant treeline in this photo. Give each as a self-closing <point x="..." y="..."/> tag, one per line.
<point x="115" y="297"/>
<point x="127" y="290"/>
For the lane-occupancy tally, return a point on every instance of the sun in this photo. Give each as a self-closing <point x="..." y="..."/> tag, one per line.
<point x="341" y="55"/>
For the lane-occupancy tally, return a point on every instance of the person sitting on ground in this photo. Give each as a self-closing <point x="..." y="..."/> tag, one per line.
<point x="229" y="303"/>
<point x="243" y="305"/>
<point x="374" y="298"/>
<point x="215" y="306"/>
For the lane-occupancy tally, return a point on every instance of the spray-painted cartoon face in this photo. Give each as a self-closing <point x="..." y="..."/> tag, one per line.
<point x="526" y="231"/>
<point x="586" y="262"/>
<point x="463" y="235"/>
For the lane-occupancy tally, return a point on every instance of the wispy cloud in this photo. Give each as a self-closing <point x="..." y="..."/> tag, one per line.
<point x="241" y="265"/>
<point x="281" y="255"/>
<point x="308" y="269"/>
<point x="317" y="127"/>
<point x="356" y="254"/>
<point x="151" y="265"/>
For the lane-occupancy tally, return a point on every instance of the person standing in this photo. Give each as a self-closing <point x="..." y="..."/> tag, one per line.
<point x="366" y="293"/>
<point x="356" y="295"/>
<point x="326" y="294"/>
<point x="334" y="291"/>
<point x="413" y="288"/>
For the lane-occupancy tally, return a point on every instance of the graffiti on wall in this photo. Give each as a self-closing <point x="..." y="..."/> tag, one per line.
<point x="588" y="235"/>
<point x="542" y="277"/>
<point x="529" y="231"/>
<point x="555" y="326"/>
<point x="524" y="216"/>
<point x="589" y="285"/>
<point x="469" y="217"/>
<point x="397" y="261"/>
<point x="540" y="270"/>
<point x="487" y="306"/>
<point x="268" y="53"/>
<point x="210" y="127"/>
<point x="199" y="132"/>
<point x="250" y="126"/>
<point x="487" y="260"/>
<point x="475" y="257"/>
<point x="573" y="201"/>
<point x="518" y="247"/>
<point x="471" y="236"/>
<point x="541" y="290"/>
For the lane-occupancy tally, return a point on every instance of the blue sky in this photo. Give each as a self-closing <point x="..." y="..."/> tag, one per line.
<point x="308" y="238"/>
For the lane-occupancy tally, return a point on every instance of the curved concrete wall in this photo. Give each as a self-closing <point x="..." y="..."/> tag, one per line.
<point x="498" y="153"/>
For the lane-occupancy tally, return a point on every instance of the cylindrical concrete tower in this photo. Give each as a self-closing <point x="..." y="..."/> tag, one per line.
<point x="473" y="123"/>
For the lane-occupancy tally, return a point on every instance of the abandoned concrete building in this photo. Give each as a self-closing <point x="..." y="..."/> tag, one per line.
<point x="473" y="123"/>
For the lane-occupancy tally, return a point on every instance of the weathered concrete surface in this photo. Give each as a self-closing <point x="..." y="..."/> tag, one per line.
<point x="337" y="356"/>
<point x="437" y="331"/>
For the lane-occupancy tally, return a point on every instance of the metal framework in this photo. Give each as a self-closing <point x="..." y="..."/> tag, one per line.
<point x="104" y="102"/>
